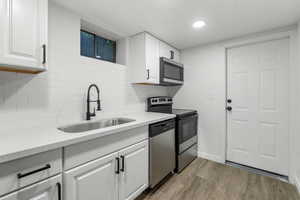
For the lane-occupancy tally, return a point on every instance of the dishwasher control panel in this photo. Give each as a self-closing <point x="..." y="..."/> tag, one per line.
<point x="160" y="127"/>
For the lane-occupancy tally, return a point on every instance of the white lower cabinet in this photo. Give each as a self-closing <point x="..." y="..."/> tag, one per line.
<point x="121" y="175"/>
<point x="134" y="171"/>
<point x="50" y="189"/>
<point x="93" y="181"/>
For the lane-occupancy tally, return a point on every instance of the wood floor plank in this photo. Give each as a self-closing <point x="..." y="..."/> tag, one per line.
<point x="207" y="180"/>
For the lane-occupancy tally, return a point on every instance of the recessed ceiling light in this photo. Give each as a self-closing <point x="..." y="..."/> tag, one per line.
<point x="199" y="24"/>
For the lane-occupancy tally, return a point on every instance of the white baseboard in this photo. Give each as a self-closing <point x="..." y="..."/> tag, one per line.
<point x="297" y="183"/>
<point x="210" y="157"/>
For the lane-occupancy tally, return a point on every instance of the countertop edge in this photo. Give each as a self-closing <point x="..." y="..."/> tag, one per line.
<point x="48" y="147"/>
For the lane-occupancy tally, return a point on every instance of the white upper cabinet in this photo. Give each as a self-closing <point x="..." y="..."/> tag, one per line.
<point x="144" y="59"/>
<point x="145" y="53"/>
<point x="168" y="51"/>
<point x="152" y="58"/>
<point x="23" y="35"/>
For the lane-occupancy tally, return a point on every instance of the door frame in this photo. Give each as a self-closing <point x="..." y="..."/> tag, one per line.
<point x="291" y="35"/>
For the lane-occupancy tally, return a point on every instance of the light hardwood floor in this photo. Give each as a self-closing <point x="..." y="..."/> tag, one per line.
<point x="207" y="180"/>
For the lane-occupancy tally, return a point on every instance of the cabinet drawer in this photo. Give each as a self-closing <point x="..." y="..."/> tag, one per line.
<point x="22" y="172"/>
<point x="50" y="189"/>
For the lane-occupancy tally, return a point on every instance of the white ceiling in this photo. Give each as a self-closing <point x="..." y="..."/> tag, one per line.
<point x="171" y="20"/>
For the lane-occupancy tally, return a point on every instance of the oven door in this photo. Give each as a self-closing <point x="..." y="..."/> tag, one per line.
<point x="187" y="132"/>
<point x="171" y="73"/>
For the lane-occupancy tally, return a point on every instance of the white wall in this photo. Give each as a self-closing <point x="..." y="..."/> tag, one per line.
<point x="205" y="90"/>
<point x="296" y="140"/>
<point x="58" y="95"/>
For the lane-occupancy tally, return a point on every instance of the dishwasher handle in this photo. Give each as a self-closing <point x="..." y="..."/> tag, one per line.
<point x="161" y="127"/>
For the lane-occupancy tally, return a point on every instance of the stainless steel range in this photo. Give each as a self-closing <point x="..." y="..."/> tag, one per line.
<point x="186" y="129"/>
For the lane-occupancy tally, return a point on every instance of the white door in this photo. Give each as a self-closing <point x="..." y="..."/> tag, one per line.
<point x="152" y="59"/>
<point x="23" y="33"/>
<point x="49" y="189"/>
<point x="134" y="171"/>
<point x="258" y="86"/>
<point x="93" y="181"/>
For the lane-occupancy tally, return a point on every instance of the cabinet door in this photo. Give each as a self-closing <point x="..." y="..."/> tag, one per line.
<point x="23" y="34"/>
<point x="49" y="189"/>
<point x="93" y="181"/>
<point x="166" y="51"/>
<point x="134" y="171"/>
<point x="152" y="59"/>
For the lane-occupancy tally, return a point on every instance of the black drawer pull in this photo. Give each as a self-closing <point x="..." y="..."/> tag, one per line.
<point x="20" y="175"/>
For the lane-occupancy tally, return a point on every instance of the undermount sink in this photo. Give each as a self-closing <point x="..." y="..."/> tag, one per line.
<point x="83" y="127"/>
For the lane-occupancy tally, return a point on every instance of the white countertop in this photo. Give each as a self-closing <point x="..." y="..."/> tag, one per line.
<point x="22" y="143"/>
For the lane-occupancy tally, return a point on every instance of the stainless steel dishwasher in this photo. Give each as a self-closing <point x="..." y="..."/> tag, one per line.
<point x="162" y="150"/>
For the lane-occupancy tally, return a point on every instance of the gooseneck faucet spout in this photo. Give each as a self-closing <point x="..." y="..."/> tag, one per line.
<point x="88" y="112"/>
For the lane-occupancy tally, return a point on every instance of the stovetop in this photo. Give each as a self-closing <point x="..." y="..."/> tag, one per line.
<point x="163" y="104"/>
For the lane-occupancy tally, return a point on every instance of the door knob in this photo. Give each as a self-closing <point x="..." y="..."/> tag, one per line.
<point x="229" y="108"/>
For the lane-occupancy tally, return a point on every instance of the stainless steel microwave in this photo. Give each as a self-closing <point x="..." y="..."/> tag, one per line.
<point x="171" y="72"/>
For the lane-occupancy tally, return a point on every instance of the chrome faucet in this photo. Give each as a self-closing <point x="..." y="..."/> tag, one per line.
<point x="88" y="112"/>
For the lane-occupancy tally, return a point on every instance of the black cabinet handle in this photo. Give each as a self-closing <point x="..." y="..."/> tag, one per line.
<point x="59" y="191"/>
<point x="118" y="165"/>
<point x="20" y="175"/>
<point x="229" y="108"/>
<point x="148" y="74"/>
<point x="123" y="164"/>
<point x="172" y="55"/>
<point x="44" y="54"/>
<point x="229" y="100"/>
